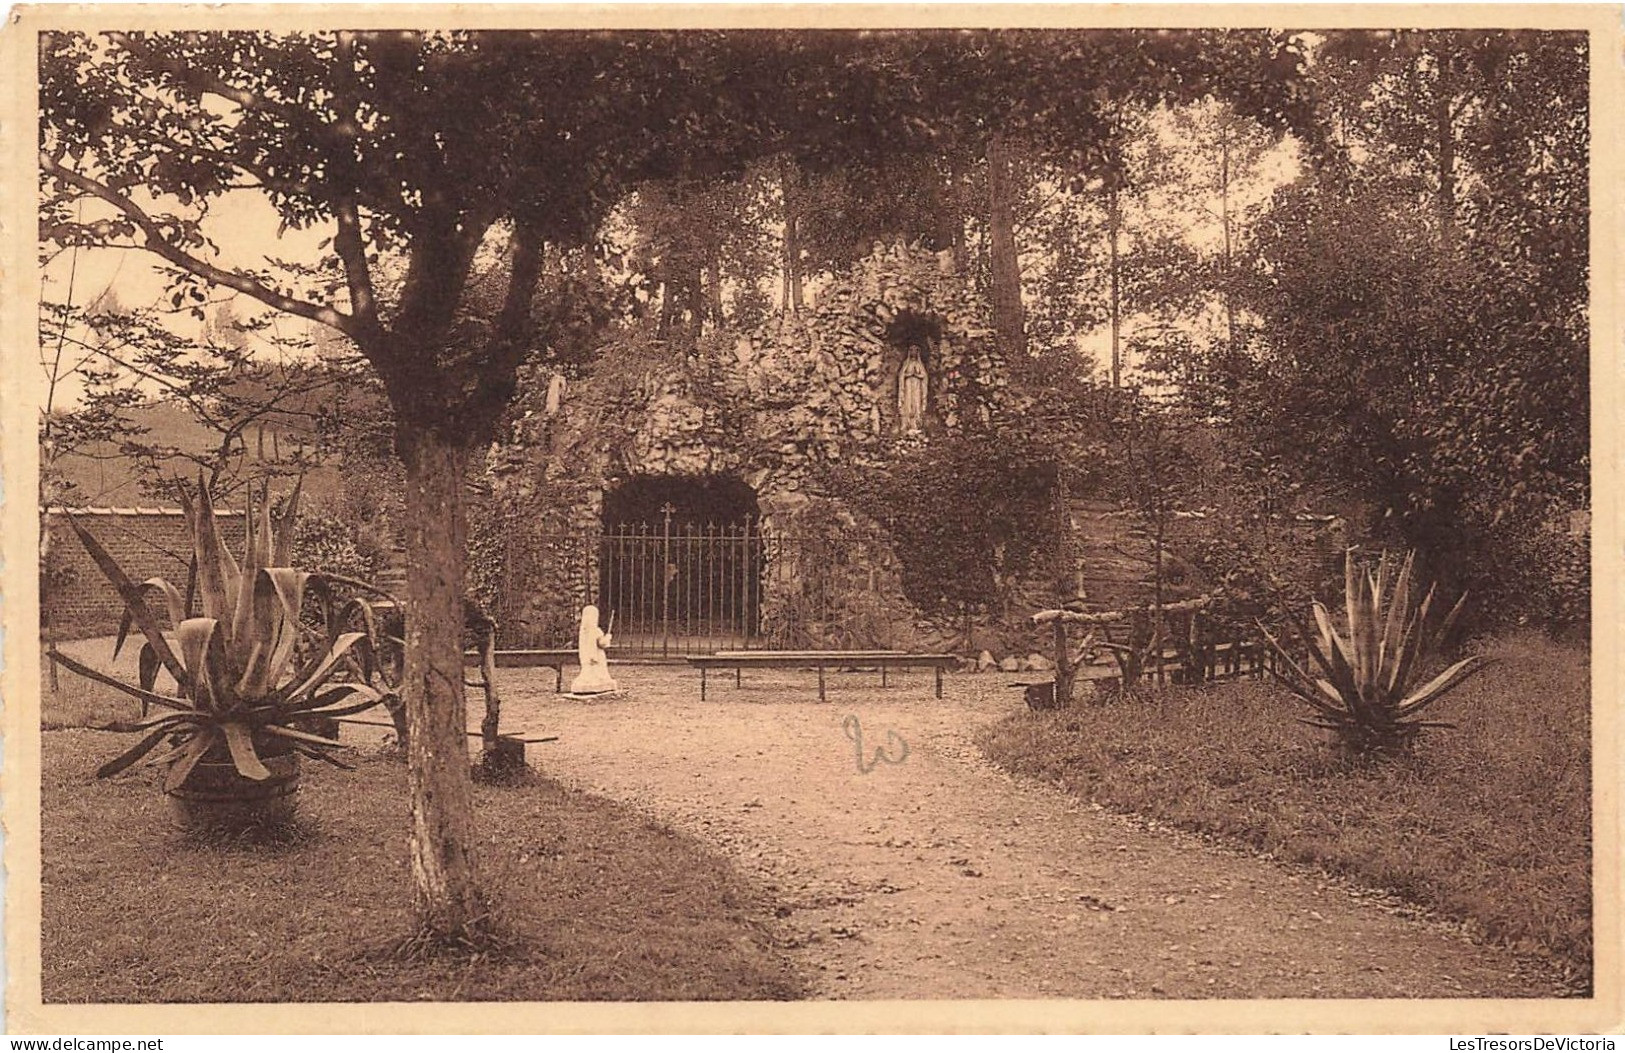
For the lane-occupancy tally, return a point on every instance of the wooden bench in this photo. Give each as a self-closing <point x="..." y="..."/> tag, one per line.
<point x="531" y="659"/>
<point x="820" y="660"/>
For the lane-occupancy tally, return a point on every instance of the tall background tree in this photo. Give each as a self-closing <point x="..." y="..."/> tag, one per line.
<point x="1423" y="293"/>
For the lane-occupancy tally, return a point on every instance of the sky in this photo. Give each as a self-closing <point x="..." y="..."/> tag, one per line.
<point x="242" y="223"/>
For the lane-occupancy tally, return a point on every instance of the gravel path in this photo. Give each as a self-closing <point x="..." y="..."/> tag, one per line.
<point x="943" y="877"/>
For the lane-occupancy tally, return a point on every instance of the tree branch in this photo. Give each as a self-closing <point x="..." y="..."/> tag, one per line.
<point x="195" y="78"/>
<point x="513" y="322"/>
<point x="510" y="339"/>
<point x="348" y="242"/>
<point x="159" y="245"/>
<point x="352" y="253"/>
<point x="1103" y="617"/>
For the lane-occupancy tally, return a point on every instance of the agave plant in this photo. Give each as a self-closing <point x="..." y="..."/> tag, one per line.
<point x="240" y="690"/>
<point x="1361" y="685"/>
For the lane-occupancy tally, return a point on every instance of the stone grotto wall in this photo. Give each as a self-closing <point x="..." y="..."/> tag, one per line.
<point x="773" y="407"/>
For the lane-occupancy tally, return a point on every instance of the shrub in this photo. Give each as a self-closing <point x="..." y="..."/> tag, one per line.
<point x="833" y="586"/>
<point x="1545" y="577"/>
<point x="240" y="691"/>
<point x="967" y="515"/>
<point x="323" y="542"/>
<point x="1363" y="691"/>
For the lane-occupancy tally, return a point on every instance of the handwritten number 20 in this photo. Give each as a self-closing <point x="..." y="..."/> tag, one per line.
<point x="854" y="731"/>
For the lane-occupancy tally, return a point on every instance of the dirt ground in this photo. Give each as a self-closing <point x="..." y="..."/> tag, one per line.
<point x="932" y="874"/>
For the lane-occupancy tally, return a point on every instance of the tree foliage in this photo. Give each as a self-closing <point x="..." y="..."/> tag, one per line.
<point x="966" y="515"/>
<point x="1421" y="300"/>
<point x="239" y="408"/>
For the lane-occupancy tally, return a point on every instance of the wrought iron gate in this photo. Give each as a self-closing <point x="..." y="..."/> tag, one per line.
<point x="676" y="588"/>
<point x="682" y="589"/>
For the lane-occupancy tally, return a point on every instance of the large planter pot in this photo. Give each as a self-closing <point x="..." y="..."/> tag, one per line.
<point x="216" y="797"/>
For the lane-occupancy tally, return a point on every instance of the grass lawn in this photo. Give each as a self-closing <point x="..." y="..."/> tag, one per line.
<point x="1489" y="823"/>
<point x="600" y="903"/>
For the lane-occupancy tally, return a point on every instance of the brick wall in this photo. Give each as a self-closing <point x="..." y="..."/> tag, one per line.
<point x="146" y="543"/>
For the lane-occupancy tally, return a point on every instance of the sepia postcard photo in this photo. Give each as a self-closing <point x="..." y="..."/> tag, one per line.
<point x="812" y="519"/>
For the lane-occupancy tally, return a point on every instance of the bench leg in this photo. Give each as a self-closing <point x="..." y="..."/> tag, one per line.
<point x="820" y="683"/>
<point x="558" y="679"/>
<point x="939" y="681"/>
<point x="702" y="683"/>
<point x="882" y="675"/>
<point x="739" y="674"/>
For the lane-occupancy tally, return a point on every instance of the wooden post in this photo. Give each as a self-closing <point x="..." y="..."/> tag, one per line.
<point x="1202" y="647"/>
<point x="1063" y="666"/>
<point x="493" y="704"/>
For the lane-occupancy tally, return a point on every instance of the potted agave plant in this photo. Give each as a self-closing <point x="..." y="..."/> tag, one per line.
<point x="1359" y="681"/>
<point x="246" y="692"/>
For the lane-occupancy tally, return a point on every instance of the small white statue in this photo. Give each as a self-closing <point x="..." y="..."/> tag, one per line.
<point x="594" y="678"/>
<point x="555" y="394"/>
<point x="911" y="392"/>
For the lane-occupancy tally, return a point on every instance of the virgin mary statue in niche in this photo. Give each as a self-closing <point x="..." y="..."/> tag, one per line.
<point x="911" y="392"/>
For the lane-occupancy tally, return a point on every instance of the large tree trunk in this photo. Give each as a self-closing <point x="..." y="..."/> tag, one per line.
<point x="1229" y="250"/>
<point x="450" y="901"/>
<point x="949" y="212"/>
<point x="792" y="239"/>
<point x="1445" y="130"/>
<point x="1009" y="319"/>
<point x="1114" y="224"/>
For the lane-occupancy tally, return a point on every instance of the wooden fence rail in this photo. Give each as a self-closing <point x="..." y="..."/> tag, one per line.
<point x="1190" y="650"/>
